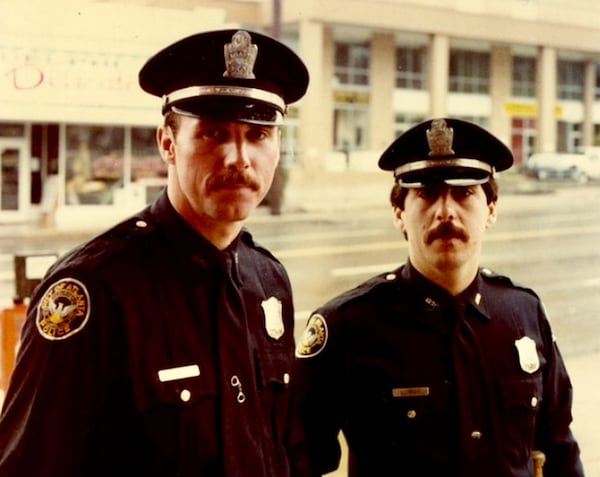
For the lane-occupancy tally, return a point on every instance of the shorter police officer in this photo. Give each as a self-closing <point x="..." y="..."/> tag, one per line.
<point x="164" y="346"/>
<point x="439" y="367"/>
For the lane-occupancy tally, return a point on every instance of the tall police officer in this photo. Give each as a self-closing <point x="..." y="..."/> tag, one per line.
<point x="439" y="367"/>
<point x="164" y="346"/>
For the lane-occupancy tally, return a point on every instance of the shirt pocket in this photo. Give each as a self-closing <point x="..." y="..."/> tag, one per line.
<point x="521" y="399"/>
<point x="273" y="367"/>
<point x="178" y="417"/>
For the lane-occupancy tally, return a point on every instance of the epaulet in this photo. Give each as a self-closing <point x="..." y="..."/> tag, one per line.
<point x="111" y="242"/>
<point x="316" y="334"/>
<point x="359" y="291"/>
<point x="487" y="273"/>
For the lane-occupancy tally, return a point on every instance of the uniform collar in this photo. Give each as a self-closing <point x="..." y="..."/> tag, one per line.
<point x="435" y="296"/>
<point x="186" y="240"/>
<point x="475" y="295"/>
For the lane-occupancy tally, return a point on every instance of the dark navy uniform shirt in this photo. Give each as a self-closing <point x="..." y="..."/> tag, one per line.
<point x="423" y="383"/>
<point x="148" y="352"/>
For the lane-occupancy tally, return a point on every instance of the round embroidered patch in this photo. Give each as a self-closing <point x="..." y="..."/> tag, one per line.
<point x="314" y="337"/>
<point x="63" y="310"/>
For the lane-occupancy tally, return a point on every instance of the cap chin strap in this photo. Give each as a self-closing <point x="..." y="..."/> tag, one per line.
<point x="434" y="165"/>
<point x="457" y="182"/>
<point x="232" y="91"/>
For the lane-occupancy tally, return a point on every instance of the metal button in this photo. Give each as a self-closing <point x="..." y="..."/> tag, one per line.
<point x="185" y="395"/>
<point x="390" y="276"/>
<point x="141" y="224"/>
<point x="411" y="414"/>
<point x="534" y="401"/>
<point x="476" y="435"/>
<point x="286" y="378"/>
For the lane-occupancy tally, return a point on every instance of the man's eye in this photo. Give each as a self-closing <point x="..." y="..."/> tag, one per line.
<point x="461" y="192"/>
<point x="428" y="193"/>
<point x="257" y="134"/>
<point x="213" y="134"/>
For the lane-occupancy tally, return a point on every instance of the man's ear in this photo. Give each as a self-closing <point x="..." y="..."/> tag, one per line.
<point x="166" y="144"/>
<point x="491" y="219"/>
<point x="397" y="219"/>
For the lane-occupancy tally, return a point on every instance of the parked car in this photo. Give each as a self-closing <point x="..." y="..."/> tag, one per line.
<point x="579" y="167"/>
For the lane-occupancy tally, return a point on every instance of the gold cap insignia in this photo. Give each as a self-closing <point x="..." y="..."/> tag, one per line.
<point x="240" y="56"/>
<point x="440" y="138"/>
<point x="313" y="339"/>
<point x="63" y="310"/>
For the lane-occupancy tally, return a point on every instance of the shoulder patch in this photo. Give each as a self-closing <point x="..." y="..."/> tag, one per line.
<point x="63" y="310"/>
<point x="314" y="338"/>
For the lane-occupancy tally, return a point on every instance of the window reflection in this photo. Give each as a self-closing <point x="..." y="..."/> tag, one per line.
<point x="96" y="161"/>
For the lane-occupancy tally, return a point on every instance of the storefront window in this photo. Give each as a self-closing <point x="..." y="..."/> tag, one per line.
<point x="147" y="167"/>
<point x="145" y="160"/>
<point x="12" y="130"/>
<point x="469" y="72"/>
<point x="411" y="67"/>
<point x="94" y="164"/>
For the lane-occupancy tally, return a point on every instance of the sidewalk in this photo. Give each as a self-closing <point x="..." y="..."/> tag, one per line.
<point x="586" y="417"/>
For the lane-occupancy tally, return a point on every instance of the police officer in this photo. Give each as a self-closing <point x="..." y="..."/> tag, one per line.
<point x="439" y="367"/>
<point x="164" y="346"/>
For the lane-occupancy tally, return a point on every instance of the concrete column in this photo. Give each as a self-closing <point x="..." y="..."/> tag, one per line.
<point x="315" y="112"/>
<point x="501" y="92"/>
<point x="589" y="85"/>
<point x="381" y="95"/>
<point x="547" y="77"/>
<point x="439" y="73"/>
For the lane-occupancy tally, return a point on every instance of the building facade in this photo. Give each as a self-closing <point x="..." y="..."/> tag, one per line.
<point x="77" y="133"/>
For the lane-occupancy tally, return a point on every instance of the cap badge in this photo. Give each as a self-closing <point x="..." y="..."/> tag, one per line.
<point x="240" y="56"/>
<point x="440" y="138"/>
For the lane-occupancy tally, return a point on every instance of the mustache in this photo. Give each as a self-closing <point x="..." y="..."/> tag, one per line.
<point x="446" y="230"/>
<point x="232" y="178"/>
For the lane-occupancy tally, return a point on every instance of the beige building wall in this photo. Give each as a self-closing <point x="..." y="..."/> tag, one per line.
<point x="381" y="113"/>
<point x="546" y="94"/>
<point x="500" y="91"/>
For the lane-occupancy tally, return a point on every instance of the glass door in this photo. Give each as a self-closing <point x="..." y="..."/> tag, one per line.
<point x="14" y="180"/>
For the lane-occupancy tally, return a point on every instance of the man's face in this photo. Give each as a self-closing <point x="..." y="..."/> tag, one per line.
<point x="219" y="171"/>
<point x="444" y="226"/>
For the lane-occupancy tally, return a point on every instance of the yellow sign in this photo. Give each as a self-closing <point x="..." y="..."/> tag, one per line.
<point x="351" y="97"/>
<point x="528" y="110"/>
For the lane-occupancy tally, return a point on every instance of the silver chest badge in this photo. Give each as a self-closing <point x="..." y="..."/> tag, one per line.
<point x="273" y="317"/>
<point x="528" y="356"/>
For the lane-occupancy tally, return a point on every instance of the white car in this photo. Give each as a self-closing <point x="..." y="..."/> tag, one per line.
<point x="564" y="166"/>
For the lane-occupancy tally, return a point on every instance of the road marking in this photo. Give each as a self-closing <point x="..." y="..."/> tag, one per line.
<point x="339" y="249"/>
<point x="398" y="244"/>
<point x="591" y="282"/>
<point x="364" y="270"/>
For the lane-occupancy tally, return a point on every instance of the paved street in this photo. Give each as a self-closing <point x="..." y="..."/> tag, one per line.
<point x="547" y="241"/>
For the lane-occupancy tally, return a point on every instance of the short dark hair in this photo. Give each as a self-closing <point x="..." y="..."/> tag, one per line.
<point x="171" y="120"/>
<point x="398" y="193"/>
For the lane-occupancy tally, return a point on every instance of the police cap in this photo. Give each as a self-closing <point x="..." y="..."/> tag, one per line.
<point x="234" y="75"/>
<point x="445" y="150"/>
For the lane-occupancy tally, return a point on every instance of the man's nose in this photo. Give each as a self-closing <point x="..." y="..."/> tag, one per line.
<point x="237" y="154"/>
<point x="445" y="206"/>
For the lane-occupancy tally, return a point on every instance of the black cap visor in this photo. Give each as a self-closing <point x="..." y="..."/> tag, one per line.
<point x="229" y="109"/>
